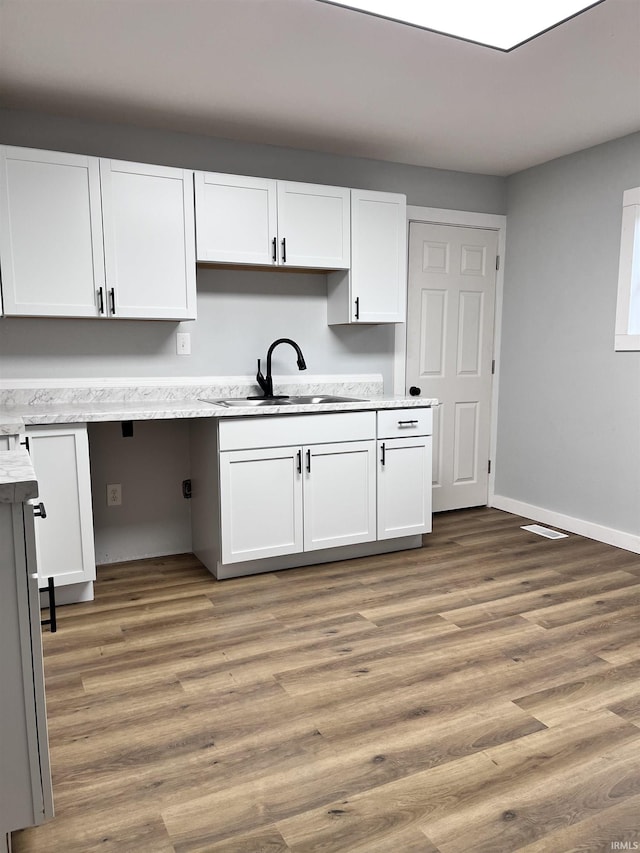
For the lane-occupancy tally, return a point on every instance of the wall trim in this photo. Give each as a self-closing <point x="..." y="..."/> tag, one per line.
<point x="469" y="219"/>
<point x="608" y="535"/>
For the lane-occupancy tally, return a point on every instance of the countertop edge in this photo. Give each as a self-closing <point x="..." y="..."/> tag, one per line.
<point x="13" y="420"/>
<point x="18" y="481"/>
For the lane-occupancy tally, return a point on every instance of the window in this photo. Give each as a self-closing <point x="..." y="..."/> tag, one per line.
<point x="628" y="313"/>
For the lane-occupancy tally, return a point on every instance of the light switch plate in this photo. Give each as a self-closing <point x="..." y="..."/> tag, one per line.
<point x="183" y="343"/>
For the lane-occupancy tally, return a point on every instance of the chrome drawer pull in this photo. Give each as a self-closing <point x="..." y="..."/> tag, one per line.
<point x="407" y="423"/>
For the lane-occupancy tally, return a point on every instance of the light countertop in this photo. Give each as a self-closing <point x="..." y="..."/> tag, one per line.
<point x="17" y="478"/>
<point x="139" y="410"/>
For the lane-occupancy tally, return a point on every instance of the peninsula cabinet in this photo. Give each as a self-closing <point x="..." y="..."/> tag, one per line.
<point x="88" y="237"/>
<point x="64" y="539"/>
<point x="374" y="289"/>
<point x="25" y="777"/>
<point x="257" y="221"/>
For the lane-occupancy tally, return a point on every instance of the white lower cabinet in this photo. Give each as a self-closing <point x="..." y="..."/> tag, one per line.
<point x="404" y="486"/>
<point x="25" y="777"/>
<point x="275" y="492"/>
<point x="339" y="494"/>
<point x="64" y="537"/>
<point x="404" y="472"/>
<point x="284" y="500"/>
<point x="260" y="503"/>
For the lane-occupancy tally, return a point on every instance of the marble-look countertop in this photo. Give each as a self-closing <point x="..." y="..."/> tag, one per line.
<point x="78" y="405"/>
<point x="10" y="424"/>
<point x="17" y="478"/>
<point x="141" y="410"/>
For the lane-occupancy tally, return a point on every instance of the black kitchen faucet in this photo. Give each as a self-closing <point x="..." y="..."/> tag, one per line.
<point x="266" y="382"/>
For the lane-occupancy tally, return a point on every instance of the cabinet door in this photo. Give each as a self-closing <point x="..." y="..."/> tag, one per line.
<point x="236" y="219"/>
<point x="339" y="494"/>
<point x="50" y="233"/>
<point x="314" y="226"/>
<point x="404" y="486"/>
<point x="149" y="240"/>
<point x="374" y="289"/>
<point x="64" y="539"/>
<point x="260" y="503"/>
<point x="379" y="256"/>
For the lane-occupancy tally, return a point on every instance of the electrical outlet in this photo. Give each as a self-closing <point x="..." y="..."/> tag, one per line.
<point x="183" y="343"/>
<point x="114" y="494"/>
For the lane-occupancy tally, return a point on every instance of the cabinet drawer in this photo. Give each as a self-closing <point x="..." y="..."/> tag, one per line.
<point x="399" y="423"/>
<point x="283" y="430"/>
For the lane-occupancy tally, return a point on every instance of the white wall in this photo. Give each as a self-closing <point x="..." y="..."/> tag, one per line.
<point x="569" y="410"/>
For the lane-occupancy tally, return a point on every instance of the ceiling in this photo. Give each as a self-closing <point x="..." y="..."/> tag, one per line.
<point x="311" y="75"/>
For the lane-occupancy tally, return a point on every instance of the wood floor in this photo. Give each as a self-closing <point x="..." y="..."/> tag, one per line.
<point x="479" y="694"/>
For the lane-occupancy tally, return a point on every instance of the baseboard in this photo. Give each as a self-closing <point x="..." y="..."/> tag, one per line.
<point x="608" y="535"/>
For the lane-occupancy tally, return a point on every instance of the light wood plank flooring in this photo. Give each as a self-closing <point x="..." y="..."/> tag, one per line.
<point x="479" y="694"/>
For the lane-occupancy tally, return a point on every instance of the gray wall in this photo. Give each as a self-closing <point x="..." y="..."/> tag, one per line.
<point x="239" y="313"/>
<point x="569" y="409"/>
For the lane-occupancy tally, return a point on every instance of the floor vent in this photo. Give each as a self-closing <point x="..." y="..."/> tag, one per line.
<point x="544" y="531"/>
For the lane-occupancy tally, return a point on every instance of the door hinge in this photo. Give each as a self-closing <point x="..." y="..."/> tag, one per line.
<point x="497" y="262"/>
<point x="489" y="467"/>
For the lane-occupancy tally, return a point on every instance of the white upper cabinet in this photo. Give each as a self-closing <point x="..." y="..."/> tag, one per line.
<point x="374" y="289"/>
<point x="244" y="220"/>
<point x="236" y="219"/>
<point x="149" y="241"/>
<point x="81" y="237"/>
<point x="314" y="228"/>
<point x="50" y="233"/>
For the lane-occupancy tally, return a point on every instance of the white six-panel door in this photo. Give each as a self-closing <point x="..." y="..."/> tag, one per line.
<point x="451" y="299"/>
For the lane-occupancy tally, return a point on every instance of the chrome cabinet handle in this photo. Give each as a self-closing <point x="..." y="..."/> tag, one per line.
<point x="100" y="300"/>
<point x="407" y="423"/>
<point x="112" y="300"/>
<point x="284" y="250"/>
<point x="299" y="455"/>
<point x="357" y="307"/>
<point x="383" y="454"/>
<point x="274" y="246"/>
<point x="308" y="461"/>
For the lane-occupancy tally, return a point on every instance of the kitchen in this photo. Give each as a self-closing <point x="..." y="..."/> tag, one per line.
<point x="556" y="345"/>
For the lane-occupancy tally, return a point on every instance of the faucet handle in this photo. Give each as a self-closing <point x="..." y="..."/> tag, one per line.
<point x="262" y="382"/>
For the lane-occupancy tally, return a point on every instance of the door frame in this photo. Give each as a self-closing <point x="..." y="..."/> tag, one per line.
<point x="490" y="222"/>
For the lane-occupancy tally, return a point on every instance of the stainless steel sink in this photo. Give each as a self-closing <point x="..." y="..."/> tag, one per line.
<point x="314" y="399"/>
<point x="245" y="403"/>
<point x="322" y="398"/>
